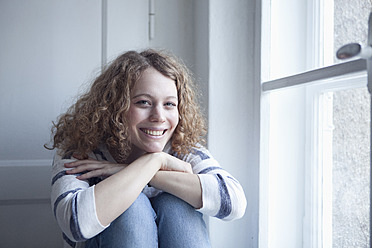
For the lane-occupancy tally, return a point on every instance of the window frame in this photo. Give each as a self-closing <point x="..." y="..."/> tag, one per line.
<point x="317" y="82"/>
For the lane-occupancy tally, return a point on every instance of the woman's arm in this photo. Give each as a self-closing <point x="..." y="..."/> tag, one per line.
<point x="82" y="211"/>
<point x="116" y="193"/>
<point x="185" y="186"/>
<point x="222" y="195"/>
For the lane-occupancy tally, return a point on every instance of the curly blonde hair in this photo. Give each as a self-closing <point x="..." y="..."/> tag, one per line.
<point x="97" y="116"/>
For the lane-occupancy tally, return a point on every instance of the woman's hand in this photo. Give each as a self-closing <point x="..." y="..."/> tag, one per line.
<point x="93" y="168"/>
<point x="171" y="163"/>
<point x="176" y="177"/>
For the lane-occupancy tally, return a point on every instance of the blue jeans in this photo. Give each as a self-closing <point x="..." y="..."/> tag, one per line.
<point x="163" y="221"/>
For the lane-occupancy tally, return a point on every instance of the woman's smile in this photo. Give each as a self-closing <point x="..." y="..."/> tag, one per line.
<point x="156" y="133"/>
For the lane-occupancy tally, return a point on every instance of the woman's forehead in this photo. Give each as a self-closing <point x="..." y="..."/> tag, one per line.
<point x="152" y="82"/>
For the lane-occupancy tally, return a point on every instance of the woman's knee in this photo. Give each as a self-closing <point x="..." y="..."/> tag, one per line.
<point x="139" y="213"/>
<point x="135" y="227"/>
<point x="168" y="203"/>
<point x="172" y="208"/>
<point x="179" y="224"/>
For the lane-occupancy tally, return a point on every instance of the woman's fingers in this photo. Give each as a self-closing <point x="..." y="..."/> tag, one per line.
<point x="103" y="173"/>
<point x="175" y="164"/>
<point x="78" y="163"/>
<point x="90" y="174"/>
<point x="93" y="168"/>
<point x="83" y="165"/>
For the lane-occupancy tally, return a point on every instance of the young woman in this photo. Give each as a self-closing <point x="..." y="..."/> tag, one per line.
<point x="130" y="170"/>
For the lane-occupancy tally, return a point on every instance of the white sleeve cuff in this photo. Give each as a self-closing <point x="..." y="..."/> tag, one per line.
<point x="210" y="194"/>
<point x="88" y="219"/>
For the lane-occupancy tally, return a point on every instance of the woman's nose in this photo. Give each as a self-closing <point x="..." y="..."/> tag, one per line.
<point x="157" y="114"/>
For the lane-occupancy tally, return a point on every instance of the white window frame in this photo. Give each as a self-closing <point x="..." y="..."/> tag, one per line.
<point x="319" y="167"/>
<point x="319" y="84"/>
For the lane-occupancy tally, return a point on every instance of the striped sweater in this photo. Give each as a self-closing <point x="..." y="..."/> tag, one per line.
<point x="74" y="204"/>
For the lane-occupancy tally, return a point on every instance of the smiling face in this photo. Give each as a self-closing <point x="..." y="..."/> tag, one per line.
<point x="153" y="112"/>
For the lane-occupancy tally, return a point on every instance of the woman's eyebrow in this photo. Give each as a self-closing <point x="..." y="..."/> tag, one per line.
<point x="150" y="96"/>
<point x="174" y="97"/>
<point x="142" y="95"/>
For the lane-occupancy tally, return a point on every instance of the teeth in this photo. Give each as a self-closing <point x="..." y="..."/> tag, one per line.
<point x="153" y="132"/>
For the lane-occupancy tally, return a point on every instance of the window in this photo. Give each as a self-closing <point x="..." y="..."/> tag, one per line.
<point x="314" y="189"/>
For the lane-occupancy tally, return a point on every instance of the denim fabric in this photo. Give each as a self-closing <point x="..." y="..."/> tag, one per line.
<point x="163" y="221"/>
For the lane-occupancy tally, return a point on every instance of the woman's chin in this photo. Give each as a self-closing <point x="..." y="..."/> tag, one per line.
<point x="151" y="148"/>
<point x="154" y="150"/>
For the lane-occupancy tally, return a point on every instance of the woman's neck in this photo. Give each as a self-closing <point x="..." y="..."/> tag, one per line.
<point x="134" y="154"/>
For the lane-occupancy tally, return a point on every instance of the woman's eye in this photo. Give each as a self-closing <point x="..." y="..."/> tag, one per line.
<point x="170" y="104"/>
<point x="143" y="102"/>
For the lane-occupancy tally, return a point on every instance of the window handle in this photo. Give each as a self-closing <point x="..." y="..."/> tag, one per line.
<point x="354" y="49"/>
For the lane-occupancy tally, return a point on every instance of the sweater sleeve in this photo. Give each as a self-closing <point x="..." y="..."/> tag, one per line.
<point x="73" y="204"/>
<point x="222" y="195"/>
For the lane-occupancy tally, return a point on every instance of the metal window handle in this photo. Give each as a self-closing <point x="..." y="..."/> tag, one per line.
<point x="354" y="49"/>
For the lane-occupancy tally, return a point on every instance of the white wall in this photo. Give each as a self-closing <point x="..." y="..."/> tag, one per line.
<point x="126" y="28"/>
<point x="174" y="28"/>
<point x="48" y="48"/>
<point x="233" y="117"/>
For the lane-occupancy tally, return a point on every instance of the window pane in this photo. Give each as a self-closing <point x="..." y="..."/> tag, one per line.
<point x="351" y="166"/>
<point x="286" y="181"/>
<point x="286" y="39"/>
<point x="304" y="35"/>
